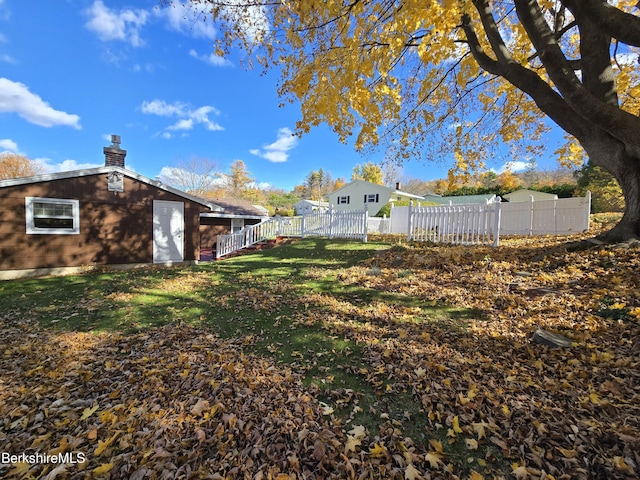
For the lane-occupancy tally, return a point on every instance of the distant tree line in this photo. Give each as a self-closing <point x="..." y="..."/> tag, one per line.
<point x="204" y="177"/>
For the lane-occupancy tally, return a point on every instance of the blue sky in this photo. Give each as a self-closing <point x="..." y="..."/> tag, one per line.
<point x="72" y="72"/>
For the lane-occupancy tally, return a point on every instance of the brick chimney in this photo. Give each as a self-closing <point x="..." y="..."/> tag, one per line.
<point x="113" y="154"/>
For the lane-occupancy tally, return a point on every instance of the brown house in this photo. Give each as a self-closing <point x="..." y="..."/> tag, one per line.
<point x="100" y="216"/>
<point x="235" y="215"/>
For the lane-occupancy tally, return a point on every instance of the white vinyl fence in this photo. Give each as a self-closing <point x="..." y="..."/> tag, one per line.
<point x="477" y="224"/>
<point x="473" y="224"/>
<point x="563" y="216"/>
<point x="332" y="224"/>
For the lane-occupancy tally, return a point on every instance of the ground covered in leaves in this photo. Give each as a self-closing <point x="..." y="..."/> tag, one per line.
<point x="411" y="362"/>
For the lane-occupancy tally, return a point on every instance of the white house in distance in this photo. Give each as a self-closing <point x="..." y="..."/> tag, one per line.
<point x="357" y="194"/>
<point x="525" y="195"/>
<point x="310" y="206"/>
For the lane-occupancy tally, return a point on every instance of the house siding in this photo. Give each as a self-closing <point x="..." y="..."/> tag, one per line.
<point x="357" y="191"/>
<point x="114" y="228"/>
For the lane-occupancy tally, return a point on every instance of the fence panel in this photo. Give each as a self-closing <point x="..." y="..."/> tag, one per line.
<point x="332" y="224"/>
<point x="476" y="224"/>
<point x="546" y="217"/>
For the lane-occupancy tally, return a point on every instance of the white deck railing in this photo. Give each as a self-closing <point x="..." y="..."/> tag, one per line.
<point x="332" y="224"/>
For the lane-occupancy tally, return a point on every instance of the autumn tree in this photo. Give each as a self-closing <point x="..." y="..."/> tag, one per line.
<point x="14" y="165"/>
<point x="238" y="180"/>
<point x="508" y="181"/>
<point x="430" y="79"/>
<point x="369" y="172"/>
<point x="317" y="185"/>
<point x="606" y="195"/>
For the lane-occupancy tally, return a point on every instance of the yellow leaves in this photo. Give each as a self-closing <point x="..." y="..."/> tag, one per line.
<point x="103" y="469"/>
<point x="87" y="412"/>
<point x="434" y="459"/>
<point x="411" y="473"/>
<point x="519" y="471"/>
<point x="19" y="469"/>
<point x="471" y="443"/>
<point x="354" y="438"/>
<point x="200" y="406"/>
<point x="378" y="451"/>
<point x="103" y="445"/>
<point x="620" y="463"/>
<point x="455" y="424"/>
<point x="479" y="429"/>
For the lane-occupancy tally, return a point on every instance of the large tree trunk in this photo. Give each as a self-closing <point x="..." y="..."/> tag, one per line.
<point x="612" y="156"/>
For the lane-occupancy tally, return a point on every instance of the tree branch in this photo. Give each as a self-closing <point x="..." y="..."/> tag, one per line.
<point x="618" y="123"/>
<point x="620" y="25"/>
<point x="528" y="81"/>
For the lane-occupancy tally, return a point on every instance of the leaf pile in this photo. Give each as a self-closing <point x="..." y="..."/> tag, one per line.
<point x="176" y="402"/>
<point x="438" y="336"/>
<point x="552" y="413"/>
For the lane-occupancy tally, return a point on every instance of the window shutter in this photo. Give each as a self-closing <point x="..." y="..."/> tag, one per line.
<point x="377" y="197"/>
<point x="365" y="198"/>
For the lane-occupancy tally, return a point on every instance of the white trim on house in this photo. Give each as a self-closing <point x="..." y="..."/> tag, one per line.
<point x="33" y="205"/>
<point x="233" y="215"/>
<point x="47" y="177"/>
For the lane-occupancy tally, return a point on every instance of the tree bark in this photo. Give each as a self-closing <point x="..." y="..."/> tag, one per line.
<point x="585" y="106"/>
<point x="613" y="156"/>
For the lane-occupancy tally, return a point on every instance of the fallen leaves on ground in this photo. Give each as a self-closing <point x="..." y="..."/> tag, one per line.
<point x="179" y="402"/>
<point x="176" y="402"/>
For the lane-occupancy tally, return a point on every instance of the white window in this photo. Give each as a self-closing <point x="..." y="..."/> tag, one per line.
<point x="371" y="198"/>
<point x="237" y="224"/>
<point x="52" y="216"/>
<point x="343" y="200"/>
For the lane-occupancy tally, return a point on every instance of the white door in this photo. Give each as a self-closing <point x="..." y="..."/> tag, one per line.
<point x="168" y="231"/>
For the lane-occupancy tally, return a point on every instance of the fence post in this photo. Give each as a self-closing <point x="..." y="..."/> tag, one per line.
<point x="409" y="222"/>
<point x="302" y="225"/>
<point x="330" y="222"/>
<point x="366" y="221"/>
<point x="218" y="246"/>
<point x="496" y="224"/>
<point x="587" y="213"/>
<point x="530" y="215"/>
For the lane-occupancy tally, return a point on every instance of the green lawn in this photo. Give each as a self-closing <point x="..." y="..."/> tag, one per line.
<point x="411" y="358"/>
<point x="288" y="303"/>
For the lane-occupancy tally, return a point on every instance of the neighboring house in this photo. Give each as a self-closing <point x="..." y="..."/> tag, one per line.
<point x="100" y="216"/>
<point x="310" y="206"/>
<point x="235" y="215"/>
<point x="357" y="194"/>
<point x="525" y="195"/>
<point x="459" y="199"/>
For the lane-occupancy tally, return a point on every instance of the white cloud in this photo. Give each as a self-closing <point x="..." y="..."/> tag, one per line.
<point x="109" y="24"/>
<point x="187" y="116"/>
<point x="184" y="124"/>
<point x="277" y="152"/>
<point x="16" y="97"/>
<point x="64" y="166"/>
<point x="516" y="166"/>
<point x="7" y="58"/>
<point x="211" y="59"/>
<point x="9" y="145"/>
<point x="190" y="19"/>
